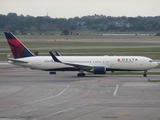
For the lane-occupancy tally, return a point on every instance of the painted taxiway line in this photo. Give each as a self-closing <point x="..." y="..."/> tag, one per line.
<point x="115" y="91"/>
<point x="49" y="97"/>
<point x="59" y="112"/>
<point x="89" y="91"/>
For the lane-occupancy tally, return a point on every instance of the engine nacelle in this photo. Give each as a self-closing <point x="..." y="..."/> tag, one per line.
<point x="99" y="70"/>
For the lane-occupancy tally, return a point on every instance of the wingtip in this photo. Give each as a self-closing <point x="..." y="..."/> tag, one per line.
<point x="57" y="53"/>
<point x="54" y="57"/>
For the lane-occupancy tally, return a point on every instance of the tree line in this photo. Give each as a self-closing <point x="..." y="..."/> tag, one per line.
<point x="24" y="24"/>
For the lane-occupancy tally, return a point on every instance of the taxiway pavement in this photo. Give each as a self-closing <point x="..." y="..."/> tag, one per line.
<point x="35" y="95"/>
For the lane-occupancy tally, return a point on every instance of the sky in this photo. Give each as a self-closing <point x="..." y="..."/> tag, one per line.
<point x="79" y="8"/>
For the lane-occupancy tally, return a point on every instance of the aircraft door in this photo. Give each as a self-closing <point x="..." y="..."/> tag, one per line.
<point x="112" y="61"/>
<point x="39" y="62"/>
<point x="142" y="62"/>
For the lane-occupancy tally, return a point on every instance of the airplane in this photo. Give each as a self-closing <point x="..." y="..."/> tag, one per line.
<point x="95" y="64"/>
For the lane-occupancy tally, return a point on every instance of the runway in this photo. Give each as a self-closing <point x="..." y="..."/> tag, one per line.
<point x="35" y="95"/>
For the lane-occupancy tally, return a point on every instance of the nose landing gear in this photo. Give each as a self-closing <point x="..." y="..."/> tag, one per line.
<point x="145" y="73"/>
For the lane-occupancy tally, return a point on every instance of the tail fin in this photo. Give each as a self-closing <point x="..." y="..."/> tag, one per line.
<point x="17" y="48"/>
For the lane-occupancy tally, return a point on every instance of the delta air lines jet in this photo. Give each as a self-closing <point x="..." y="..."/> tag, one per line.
<point x="95" y="64"/>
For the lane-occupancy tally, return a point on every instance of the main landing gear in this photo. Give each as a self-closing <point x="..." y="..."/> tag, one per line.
<point x="52" y="73"/>
<point x="145" y="73"/>
<point x="81" y="74"/>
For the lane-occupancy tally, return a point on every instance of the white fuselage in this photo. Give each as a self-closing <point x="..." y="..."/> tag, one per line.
<point x="111" y="63"/>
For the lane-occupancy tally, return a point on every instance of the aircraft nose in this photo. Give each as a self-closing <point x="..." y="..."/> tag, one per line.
<point x="155" y="64"/>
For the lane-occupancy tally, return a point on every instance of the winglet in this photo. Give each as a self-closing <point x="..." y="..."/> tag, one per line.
<point x="57" y="53"/>
<point x="54" y="57"/>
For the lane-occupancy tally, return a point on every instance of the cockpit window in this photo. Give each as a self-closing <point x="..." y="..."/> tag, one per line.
<point x="150" y="60"/>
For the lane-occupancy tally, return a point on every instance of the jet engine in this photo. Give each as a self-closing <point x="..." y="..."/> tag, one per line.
<point x="99" y="70"/>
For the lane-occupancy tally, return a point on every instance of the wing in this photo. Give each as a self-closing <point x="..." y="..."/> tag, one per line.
<point x="76" y="65"/>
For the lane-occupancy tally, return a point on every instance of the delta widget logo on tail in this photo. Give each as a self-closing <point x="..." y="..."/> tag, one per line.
<point x="17" y="48"/>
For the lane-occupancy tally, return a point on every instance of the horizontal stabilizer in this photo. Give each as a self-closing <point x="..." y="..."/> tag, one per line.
<point x="11" y="60"/>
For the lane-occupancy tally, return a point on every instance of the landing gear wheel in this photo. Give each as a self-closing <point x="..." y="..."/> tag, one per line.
<point x="145" y="74"/>
<point x="81" y="74"/>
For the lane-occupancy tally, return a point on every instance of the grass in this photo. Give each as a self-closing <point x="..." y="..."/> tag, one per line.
<point x="130" y="73"/>
<point x="133" y="73"/>
<point x="99" y="36"/>
<point x="66" y="47"/>
<point x="153" y="80"/>
<point x="76" y="44"/>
